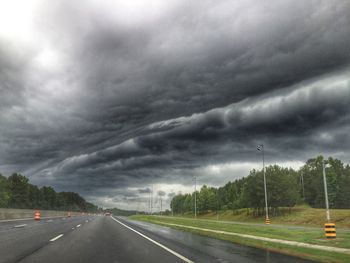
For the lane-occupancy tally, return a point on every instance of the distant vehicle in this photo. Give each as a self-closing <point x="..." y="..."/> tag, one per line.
<point x="108" y="214"/>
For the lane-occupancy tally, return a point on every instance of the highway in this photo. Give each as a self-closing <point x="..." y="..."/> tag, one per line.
<point x="117" y="239"/>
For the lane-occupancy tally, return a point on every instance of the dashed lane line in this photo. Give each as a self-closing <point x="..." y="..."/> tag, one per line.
<point x="55" y="238"/>
<point x="20" y="226"/>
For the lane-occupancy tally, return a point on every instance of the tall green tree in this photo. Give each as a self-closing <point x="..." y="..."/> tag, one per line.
<point x="18" y="186"/>
<point x="282" y="185"/>
<point x="4" y="192"/>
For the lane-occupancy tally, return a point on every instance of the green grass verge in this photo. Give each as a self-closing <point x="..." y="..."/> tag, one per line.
<point x="298" y="215"/>
<point x="312" y="236"/>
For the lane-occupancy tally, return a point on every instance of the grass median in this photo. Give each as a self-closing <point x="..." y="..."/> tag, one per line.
<point x="310" y="236"/>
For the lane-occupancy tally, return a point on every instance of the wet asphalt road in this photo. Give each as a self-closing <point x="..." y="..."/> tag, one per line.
<point x="109" y="239"/>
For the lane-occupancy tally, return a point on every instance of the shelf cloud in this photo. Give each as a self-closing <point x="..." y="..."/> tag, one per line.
<point x="107" y="98"/>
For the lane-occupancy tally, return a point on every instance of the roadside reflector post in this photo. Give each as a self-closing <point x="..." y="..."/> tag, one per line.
<point x="69" y="214"/>
<point x="37" y="215"/>
<point x="330" y="231"/>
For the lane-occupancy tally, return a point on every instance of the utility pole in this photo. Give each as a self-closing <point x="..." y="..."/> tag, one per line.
<point x="261" y="148"/>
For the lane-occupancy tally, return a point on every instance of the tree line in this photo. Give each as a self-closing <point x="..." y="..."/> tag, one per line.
<point x="122" y="212"/>
<point x="17" y="192"/>
<point x="286" y="187"/>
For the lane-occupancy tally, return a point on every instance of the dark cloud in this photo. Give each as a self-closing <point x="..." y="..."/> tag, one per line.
<point x="144" y="190"/>
<point x="110" y="99"/>
<point x="13" y="62"/>
<point x="161" y="193"/>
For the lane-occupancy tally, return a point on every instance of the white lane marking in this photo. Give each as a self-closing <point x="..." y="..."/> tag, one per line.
<point x="72" y="227"/>
<point x="155" y="242"/>
<point x="17" y="219"/>
<point x="55" y="238"/>
<point x="79" y="225"/>
<point x="49" y="220"/>
<point x="18" y="226"/>
<point x="24" y="219"/>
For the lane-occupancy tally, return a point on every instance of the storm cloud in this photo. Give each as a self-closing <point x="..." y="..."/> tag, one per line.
<point x="107" y="98"/>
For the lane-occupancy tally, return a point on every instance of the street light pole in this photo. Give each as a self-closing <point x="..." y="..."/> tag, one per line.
<point x="149" y="204"/>
<point x="325" y="190"/>
<point x="261" y="148"/>
<point x="217" y="205"/>
<point x="161" y="205"/>
<point x="329" y="228"/>
<point x="152" y="199"/>
<point x="302" y="184"/>
<point x="195" y="197"/>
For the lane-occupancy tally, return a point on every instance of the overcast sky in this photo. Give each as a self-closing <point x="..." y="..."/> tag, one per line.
<point x="106" y="98"/>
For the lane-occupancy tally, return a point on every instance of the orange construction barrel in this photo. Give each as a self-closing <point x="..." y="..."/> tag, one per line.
<point x="37" y="215"/>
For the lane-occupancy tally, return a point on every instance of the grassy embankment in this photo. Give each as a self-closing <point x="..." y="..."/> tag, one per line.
<point x="301" y="216"/>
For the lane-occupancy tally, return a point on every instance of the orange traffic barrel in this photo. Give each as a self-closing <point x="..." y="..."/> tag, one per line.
<point x="37" y="215"/>
<point x="267" y="221"/>
<point x="329" y="228"/>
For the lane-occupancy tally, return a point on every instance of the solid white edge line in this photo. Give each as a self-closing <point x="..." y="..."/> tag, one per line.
<point x="155" y="242"/>
<point x="79" y="225"/>
<point x="55" y="238"/>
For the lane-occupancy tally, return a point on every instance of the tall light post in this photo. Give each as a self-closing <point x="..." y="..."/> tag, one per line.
<point x="260" y="147"/>
<point x="217" y="204"/>
<point x="149" y="202"/>
<point x="195" y="197"/>
<point x="329" y="228"/>
<point x="172" y="208"/>
<point x="302" y="185"/>
<point x="152" y="199"/>
<point x="160" y="205"/>
<point x="325" y="190"/>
